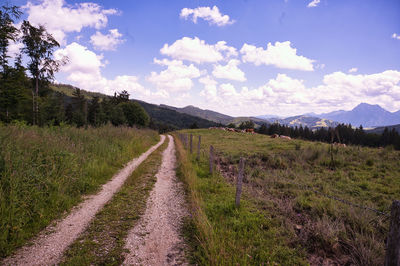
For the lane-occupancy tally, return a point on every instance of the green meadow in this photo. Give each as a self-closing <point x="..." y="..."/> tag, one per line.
<point x="288" y="214"/>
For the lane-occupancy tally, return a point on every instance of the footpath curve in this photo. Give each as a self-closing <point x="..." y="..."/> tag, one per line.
<point x="49" y="245"/>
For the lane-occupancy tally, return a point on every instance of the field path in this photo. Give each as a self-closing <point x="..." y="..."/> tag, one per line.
<point x="48" y="247"/>
<point x="155" y="240"/>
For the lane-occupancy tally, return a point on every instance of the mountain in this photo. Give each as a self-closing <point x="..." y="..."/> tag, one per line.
<point x="205" y="114"/>
<point x="162" y="117"/>
<point x="366" y="115"/>
<point x="303" y="120"/>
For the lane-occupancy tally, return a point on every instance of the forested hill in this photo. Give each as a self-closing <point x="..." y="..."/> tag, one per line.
<point x="164" y="119"/>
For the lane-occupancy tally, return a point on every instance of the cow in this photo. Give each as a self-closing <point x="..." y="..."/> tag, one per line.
<point x="275" y="136"/>
<point x="285" y="137"/>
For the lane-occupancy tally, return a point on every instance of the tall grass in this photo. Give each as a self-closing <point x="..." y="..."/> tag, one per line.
<point x="221" y="234"/>
<point x="45" y="171"/>
<point x="278" y="171"/>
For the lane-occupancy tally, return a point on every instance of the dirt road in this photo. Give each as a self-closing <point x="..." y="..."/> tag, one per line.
<point x="155" y="240"/>
<point x="49" y="246"/>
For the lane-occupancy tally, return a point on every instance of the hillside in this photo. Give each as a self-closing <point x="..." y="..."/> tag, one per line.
<point x="215" y="116"/>
<point x="205" y="114"/>
<point x="379" y="130"/>
<point x="305" y="121"/>
<point x="163" y="118"/>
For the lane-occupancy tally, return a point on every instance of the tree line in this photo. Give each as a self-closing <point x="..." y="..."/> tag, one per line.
<point x="29" y="98"/>
<point x="342" y="133"/>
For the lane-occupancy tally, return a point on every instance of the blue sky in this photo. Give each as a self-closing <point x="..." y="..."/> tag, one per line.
<point x="282" y="57"/>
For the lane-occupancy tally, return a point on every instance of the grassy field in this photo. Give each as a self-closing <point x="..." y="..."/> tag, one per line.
<point x="281" y="219"/>
<point x="45" y="171"/>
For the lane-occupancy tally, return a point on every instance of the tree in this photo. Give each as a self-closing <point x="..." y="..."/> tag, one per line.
<point x="80" y="105"/>
<point x="8" y="32"/>
<point x="39" y="47"/>
<point x="134" y="114"/>
<point x="246" y="124"/>
<point x="13" y="92"/>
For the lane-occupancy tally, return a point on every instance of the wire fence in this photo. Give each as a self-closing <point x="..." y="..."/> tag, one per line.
<point x="392" y="256"/>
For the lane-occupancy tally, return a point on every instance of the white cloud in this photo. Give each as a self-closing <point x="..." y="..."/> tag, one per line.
<point x="107" y="42"/>
<point x="280" y="55"/>
<point x="84" y="71"/>
<point x="396" y="36"/>
<point x="60" y="18"/>
<point x="212" y="15"/>
<point x="198" y="51"/>
<point x="176" y="78"/>
<point x="14" y="49"/>
<point x="287" y="96"/>
<point x="314" y="3"/>
<point x="353" y="69"/>
<point x="210" y="88"/>
<point x="229" y="71"/>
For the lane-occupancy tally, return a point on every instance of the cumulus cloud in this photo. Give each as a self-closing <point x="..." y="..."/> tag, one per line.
<point x="229" y="71"/>
<point x="84" y="71"/>
<point x="60" y="18"/>
<point x="210" y="88"/>
<point x="212" y="15"/>
<point x="284" y="95"/>
<point x="314" y="3"/>
<point x="198" y="51"/>
<point x="353" y="69"/>
<point x="106" y="42"/>
<point x="396" y="36"/>
<point x="176" y="78"/>
<point x="280" y="55"/>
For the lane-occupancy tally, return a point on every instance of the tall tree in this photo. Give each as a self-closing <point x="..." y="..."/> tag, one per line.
<point x="39" y="47"/>
<point x="8" y="32"/>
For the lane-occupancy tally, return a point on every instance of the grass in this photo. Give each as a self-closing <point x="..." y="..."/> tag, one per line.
<point x="313" y="227"/>
<point x="221" y="234"/>
<point x="45" y="171"/>
<point x="103" y="241"/>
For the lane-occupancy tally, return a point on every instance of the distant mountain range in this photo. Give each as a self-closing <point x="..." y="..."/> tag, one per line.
<point x="367" y="115"/>
<point x="364" y="114"/>
<point x="304" y="120"/>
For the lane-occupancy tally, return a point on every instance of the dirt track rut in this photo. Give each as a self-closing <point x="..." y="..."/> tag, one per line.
<point x="155" y="240"/>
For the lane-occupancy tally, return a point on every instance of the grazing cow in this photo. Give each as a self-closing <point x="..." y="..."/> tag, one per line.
<point x="274" y="136"/>
<point x="250" y="130"/>
<point x="285" y="137"/>
<point x="339" y="144"/>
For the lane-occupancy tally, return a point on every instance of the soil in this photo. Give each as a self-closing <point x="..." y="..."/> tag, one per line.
<point x="47" y="248"/>
<point x="155" y="240"/>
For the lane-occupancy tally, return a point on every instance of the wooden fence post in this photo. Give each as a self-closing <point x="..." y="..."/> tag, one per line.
<point x="211" y="159"/>
<point x="198" y="148"/>
<point x="393" y="240"/>
<point x="239" y="181"/>
<point x="191" y="143"/>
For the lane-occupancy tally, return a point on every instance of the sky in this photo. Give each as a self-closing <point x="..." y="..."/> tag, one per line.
<point x="239" y="57"/>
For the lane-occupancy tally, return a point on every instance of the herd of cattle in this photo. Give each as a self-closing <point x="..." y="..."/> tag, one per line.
<point x="251" y="131"/>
